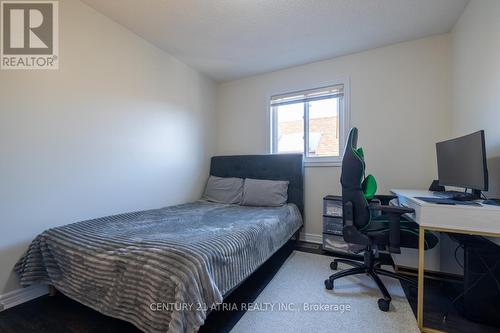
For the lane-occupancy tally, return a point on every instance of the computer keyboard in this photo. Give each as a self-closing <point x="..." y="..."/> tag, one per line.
<point x="446" y="194"/>
<point x="441" y="195"/>
<point x="447" y="201"/>
<point x="455" y="196"/>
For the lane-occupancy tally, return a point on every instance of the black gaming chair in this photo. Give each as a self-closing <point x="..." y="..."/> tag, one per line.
<point x="369" y="223"/>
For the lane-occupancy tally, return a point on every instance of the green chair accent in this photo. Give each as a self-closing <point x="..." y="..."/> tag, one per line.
<point x="369" y="187"/>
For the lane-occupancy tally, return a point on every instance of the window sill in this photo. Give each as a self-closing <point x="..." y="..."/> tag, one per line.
<point x="319" y="164"/>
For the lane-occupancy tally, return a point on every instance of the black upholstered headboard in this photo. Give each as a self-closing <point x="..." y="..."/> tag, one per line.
<point x="273" y="167"/>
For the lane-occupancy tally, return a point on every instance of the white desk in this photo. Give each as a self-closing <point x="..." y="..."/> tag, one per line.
<point x="474" y="220"/>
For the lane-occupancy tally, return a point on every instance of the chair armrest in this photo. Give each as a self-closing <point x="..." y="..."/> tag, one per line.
<point x="394" y="213"/>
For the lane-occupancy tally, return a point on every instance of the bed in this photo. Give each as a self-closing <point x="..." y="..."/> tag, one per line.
<point x="164" y="269"/>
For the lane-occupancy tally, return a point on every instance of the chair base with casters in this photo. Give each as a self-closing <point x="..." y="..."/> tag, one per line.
<point x="371" y="267"/>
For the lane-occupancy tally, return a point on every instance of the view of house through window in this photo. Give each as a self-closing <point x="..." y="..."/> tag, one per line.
<point x="309" y="119"/>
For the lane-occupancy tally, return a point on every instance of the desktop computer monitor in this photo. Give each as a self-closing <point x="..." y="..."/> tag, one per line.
<point x="462" y="163"/>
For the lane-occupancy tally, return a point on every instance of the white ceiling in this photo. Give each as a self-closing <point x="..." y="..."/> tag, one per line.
<point x="230" y="39"/>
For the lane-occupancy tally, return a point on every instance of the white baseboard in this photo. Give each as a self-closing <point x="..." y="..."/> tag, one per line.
<point x="311" y="238"/>
<point x="22" y="295"/>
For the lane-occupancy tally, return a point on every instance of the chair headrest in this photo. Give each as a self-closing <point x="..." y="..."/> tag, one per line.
<point x="352" y="140"/>
<point x="353" y="176"/>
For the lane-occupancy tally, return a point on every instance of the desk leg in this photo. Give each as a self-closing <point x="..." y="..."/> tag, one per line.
<point x="421" y="266"/>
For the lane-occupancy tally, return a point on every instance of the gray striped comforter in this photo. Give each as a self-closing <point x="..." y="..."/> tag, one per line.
<point x="136" y="266"/>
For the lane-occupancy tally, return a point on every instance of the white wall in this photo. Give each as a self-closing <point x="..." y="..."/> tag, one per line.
<point x="121" y="126"/>
<point x="476" y="79"/>
<point x="399" y="101"/>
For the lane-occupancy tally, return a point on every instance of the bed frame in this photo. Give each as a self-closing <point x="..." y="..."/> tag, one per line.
<point x="288" y="167"/>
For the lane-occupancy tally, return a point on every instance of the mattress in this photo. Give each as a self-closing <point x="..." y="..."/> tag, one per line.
<point x="163" y="269"/>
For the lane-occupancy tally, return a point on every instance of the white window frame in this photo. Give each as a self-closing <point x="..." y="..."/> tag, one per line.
<point x="344" y="126"/>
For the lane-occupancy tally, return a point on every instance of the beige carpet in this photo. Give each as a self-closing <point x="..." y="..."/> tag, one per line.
<point x="297" y="301"/>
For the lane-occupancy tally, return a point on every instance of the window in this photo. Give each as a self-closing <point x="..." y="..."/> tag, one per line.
<point x="312" y="122"/>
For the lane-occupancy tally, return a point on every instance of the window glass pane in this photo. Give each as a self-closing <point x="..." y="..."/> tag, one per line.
<point x="324" y="128"/>
<point x="290" y="128"/>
